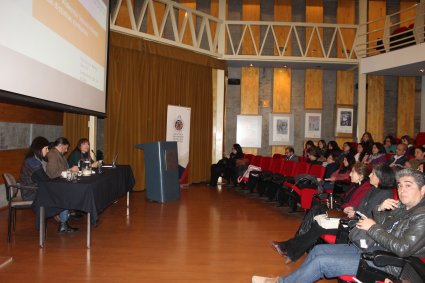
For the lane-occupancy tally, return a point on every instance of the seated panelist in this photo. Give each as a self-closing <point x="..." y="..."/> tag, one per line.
<point x="81" y="152"/>
<point x="33" y="172"/>
<point x="56" y="160"/>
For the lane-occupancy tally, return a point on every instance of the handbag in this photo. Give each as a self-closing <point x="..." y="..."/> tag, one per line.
<point x="344" y="228"/>
<point x="326" y="222"/>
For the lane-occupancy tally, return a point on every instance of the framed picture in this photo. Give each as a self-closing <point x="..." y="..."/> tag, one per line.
<point x="281" y="129"/>
<point x="344" y="120"/>
<point x="248" y="130"/>
<point x="313" y="125"/>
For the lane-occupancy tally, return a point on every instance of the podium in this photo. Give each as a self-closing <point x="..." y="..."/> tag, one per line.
<point x="161" y="170"/>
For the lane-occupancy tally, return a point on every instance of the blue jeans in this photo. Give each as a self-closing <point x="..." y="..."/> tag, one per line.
<point x="328" y="261"/>
<point x="63" y="216"/>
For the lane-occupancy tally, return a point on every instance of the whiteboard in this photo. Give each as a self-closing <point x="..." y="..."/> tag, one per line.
<point x="248" y="130"/>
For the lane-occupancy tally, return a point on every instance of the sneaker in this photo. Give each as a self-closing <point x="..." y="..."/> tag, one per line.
<point x="260" y="279"/>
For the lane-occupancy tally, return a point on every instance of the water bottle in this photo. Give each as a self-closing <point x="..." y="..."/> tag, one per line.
<point x="331" y="200"/>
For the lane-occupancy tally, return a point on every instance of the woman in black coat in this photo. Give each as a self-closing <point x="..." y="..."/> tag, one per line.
<point x="226" y="167"/>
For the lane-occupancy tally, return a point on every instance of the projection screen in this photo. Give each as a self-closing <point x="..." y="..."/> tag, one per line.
<point x="55" y="50"/>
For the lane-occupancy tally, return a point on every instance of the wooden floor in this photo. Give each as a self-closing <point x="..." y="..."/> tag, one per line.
<point x="210" y="235"/>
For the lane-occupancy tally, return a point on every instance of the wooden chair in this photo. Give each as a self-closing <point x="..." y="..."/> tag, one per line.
<point x="14" y="200"/>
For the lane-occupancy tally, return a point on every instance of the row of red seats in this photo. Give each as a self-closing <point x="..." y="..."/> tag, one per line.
<point x="288" y="168"/>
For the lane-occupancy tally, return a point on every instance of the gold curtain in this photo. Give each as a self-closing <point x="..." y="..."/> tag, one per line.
<point x="140" y="87"/>
<point x="75" y="127"/>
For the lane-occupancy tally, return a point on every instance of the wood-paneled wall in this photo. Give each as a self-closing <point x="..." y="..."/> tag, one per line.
<point x="375" y="107"/>
<point x="11" y="160"/>
<point x="406" y="106"/>
<point x="26" y="114"/>
<point x="282" y="76"/>
<point x="375" y="92"/>
<point x="313" y="93"/>
<point x="250" y="78"/>
<point x="406" y="85"/>
<point x="345" y="79"/>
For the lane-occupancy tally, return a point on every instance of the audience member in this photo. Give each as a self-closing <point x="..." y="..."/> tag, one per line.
<point x="367" y="141"/>
<point x="226" y="167"/>
<point x="309" y="144"/>
<point x="341" y="177"/>
<point x="289" y="154"/>
<point x="389" y="144"/>
<point x="399" y="159"/>
<point x="322" y="149"/>
<point x="378" y="154"/>
<point x="362" y="153"/>
<point x="419" y="158"/>
<point x="294" y="248"/>
<point x="396" y="226"/>
<point x="407" y="140"/>
<point x="313" y="157"/>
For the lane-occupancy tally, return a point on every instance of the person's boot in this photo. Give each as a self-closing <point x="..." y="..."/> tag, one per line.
<point x="65" y="228"/>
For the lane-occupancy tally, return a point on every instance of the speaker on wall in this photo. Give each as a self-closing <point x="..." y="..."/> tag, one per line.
<point x="234" y="81"/>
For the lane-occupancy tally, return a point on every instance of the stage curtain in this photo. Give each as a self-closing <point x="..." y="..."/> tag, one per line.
<point x="75" y="127"/>
<point x="141" y="84"/>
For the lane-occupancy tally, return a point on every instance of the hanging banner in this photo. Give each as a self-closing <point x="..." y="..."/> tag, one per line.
<point x="178" y="130"/>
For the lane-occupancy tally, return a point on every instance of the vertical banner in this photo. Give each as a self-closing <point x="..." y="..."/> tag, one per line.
<point x="178" y="130"/>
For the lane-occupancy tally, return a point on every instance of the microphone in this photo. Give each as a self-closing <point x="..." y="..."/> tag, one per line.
<point x="94" y="154"/>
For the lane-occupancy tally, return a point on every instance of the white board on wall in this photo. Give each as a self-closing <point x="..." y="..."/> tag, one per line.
<point x="248" y="130"/>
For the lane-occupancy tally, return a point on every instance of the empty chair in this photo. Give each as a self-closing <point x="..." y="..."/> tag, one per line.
<point x="14" y="200"/>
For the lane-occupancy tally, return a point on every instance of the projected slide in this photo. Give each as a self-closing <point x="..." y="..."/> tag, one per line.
<point x="55" y="50"/>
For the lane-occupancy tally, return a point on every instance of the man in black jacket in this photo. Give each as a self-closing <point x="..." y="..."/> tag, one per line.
<point x="396" y="226"/>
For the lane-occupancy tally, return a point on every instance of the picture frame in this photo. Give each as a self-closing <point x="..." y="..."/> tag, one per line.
<point x="313" y="125"/>
<point x="281" y="129"/>
<point x="344" y="120"/>
<point x="249" y="130"/>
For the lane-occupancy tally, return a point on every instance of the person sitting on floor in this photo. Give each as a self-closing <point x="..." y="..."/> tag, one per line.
<point x="226" y="167"/>
<point x="396" y="226"/>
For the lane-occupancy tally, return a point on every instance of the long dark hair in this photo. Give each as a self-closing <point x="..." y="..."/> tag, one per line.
<point x="80" y="142"/>
<point x="386" y="176"/>
<point x="36" y="147"/>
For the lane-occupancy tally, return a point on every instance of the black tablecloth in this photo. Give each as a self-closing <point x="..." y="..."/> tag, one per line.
<point x="90" y="193"/>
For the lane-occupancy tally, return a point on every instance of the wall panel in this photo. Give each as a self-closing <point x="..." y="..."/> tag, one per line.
<point x="313" y="89"/>
<point x="250" y="75"/>
<point x="375" y="107"/>
<point x="313" y="78"/>
<point x="282" y="76"/>
<point x="405" y="111"/>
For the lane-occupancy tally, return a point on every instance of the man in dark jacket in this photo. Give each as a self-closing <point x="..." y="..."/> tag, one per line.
<point x="397" y="227"/>
<point x="400" y="158"/>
